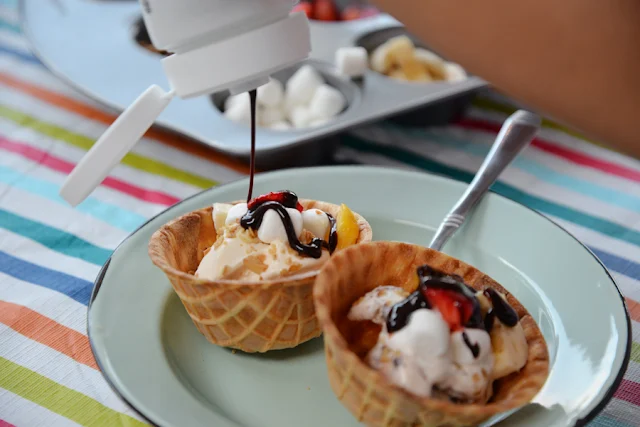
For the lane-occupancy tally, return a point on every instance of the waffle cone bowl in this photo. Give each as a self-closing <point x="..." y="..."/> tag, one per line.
<point x="352" y="273"/>
<point x="252" y="316"/>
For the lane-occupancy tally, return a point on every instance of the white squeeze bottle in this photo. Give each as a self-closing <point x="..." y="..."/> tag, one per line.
<point x="215" y="45"/>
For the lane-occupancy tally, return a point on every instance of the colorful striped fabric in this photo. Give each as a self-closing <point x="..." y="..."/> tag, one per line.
<point x="50" y="253"/>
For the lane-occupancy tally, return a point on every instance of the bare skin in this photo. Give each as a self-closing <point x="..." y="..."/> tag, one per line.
<point x="577" y="61"/>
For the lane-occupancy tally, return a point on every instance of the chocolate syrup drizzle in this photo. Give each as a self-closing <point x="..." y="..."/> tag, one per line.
<point x="254" y="216"/>
<point x="431" y="278"/>
<point x="252" y="98"/>
<point x="501" y="309"/>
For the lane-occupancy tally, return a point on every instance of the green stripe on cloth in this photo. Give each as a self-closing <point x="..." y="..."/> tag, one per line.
<point x="60" y="399"/>
<point x="131" y="159"/>
<point x="635" y="352"/>
<point x="549" y="208"/>
<point x="53" y="238"/>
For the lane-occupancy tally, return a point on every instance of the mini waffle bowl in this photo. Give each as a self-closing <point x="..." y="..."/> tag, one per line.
<point x="355" y="271"/>
<point x="245" y="315"/>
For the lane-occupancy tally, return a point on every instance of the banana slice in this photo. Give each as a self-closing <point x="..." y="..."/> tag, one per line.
<point x="381" y="60"/>
<point x="414" y="70"/>
<point x="510" y="349"/>
<point x="434" y="64"/>
<point x="400" y="48"/>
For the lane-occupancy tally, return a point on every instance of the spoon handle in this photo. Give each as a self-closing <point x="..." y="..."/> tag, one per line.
<point x="516" y="132"/>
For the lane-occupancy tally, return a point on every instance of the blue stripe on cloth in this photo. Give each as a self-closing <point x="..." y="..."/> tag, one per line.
<point x="54" y="239"/>
<point x="108" y="213"/>
<point x="600" y="225"/>
<point x="73" y="287"/>
<point x="20" y="55"/>
<point x="618" y="264"/>
<point x="535" y="168"/>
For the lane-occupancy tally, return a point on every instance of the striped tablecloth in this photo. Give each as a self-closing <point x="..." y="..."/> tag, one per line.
<point x="51" y="253"/>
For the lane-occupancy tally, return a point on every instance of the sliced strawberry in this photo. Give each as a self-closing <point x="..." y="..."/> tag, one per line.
<point x="446" y="304"/>
<point x="455" y="309"/>
<point x="306" y="7"/>
<point x="286" y="198"/>
<point x="351" y="13"/>
<point x="325" y="10"/>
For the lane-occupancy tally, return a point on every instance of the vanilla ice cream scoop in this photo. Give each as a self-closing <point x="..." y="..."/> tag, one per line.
<point x="375" y="305"/>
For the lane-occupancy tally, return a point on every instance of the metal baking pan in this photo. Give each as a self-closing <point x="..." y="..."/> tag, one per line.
<point x="90" y="45"/>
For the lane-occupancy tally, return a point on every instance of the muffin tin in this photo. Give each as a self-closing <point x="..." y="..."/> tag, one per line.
<point x="90" y="44"/>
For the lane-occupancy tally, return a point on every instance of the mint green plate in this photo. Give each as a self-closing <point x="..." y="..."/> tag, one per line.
<point x="154" y="357"/>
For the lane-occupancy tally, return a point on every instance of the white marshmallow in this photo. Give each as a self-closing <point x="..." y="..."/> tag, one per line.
<point x="219" y="213"/>
<point x="272" y="228"/>
<point x="426" y="333"/>
<point x="281" y="125"/>
<point x="235" y="213"/>
<point x="271" y="115"/>
<point x="326" y="102"/>
<point x="300" y="117"/>
<point x="239" y="113"/>
<point x="241" y="98"/>
<point x="271" y="94"/>
<point x="316" y="221"/>
<point x="455" y="73"/>
<point x="352" y="61"/>
<point x="319" y="122"/>
<point x="302" y="85"/>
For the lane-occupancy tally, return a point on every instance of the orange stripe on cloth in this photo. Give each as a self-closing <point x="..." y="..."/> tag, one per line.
<point x="634" y="309"/>
<point x="77" y="107"/>
<point x="46" y="331"/>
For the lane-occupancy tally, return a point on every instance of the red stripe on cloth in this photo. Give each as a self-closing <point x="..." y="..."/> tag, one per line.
<point x="5" y="424"/>
<point x="566" y="153"/>
<point x="61" y="165"/>
<point x="46" y="331"/>
<point x="629" y="391"/>
<point x="634" y="309"/>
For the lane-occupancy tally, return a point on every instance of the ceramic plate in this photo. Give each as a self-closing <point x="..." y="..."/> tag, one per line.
<point x="159" y="363"/>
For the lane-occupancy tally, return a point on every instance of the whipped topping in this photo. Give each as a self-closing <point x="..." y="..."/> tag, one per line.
<point x="425" y="358"/>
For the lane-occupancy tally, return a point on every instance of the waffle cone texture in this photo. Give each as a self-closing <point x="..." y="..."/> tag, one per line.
<point x="364" y="391"/>
<point x="253" y="316"/>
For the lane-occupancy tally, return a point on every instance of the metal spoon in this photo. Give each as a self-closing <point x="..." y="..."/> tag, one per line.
<point x="516" y="133"/>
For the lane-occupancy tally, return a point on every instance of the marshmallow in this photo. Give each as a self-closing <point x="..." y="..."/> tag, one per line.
<point x="460" y="352"/>
<point x="271" y="94"/>
<point x="319" y="122"/>
<point x="271" y="115"/>
<point x="219" y="213"/>
<point x="352" y="61"/>
<point x="272" y="228"/>
<point x="241" y="98"/>
<point x="327" y="102"/>
<point x="300" y="117"/>
<point x="316" y="221"/>
<point x="239" y="112"/>
<point x="302" y="85"/>
<point x="455" y="73"/>
<point x="235" y="213"/>
<point x="281" y="125"/>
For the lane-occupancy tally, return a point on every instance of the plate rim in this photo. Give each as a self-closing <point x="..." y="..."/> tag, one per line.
<point x="578" y="423"/>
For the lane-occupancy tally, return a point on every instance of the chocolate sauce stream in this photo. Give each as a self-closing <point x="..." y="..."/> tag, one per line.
<point x="252" y="97"/>
<point x="475" y="348"/>
<point x="501" y="309"/>
<point x="333" y="234"/>
<point x="253" y="218"/>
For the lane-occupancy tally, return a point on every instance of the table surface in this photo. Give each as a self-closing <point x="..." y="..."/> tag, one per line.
<point x="51" y="253"/>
